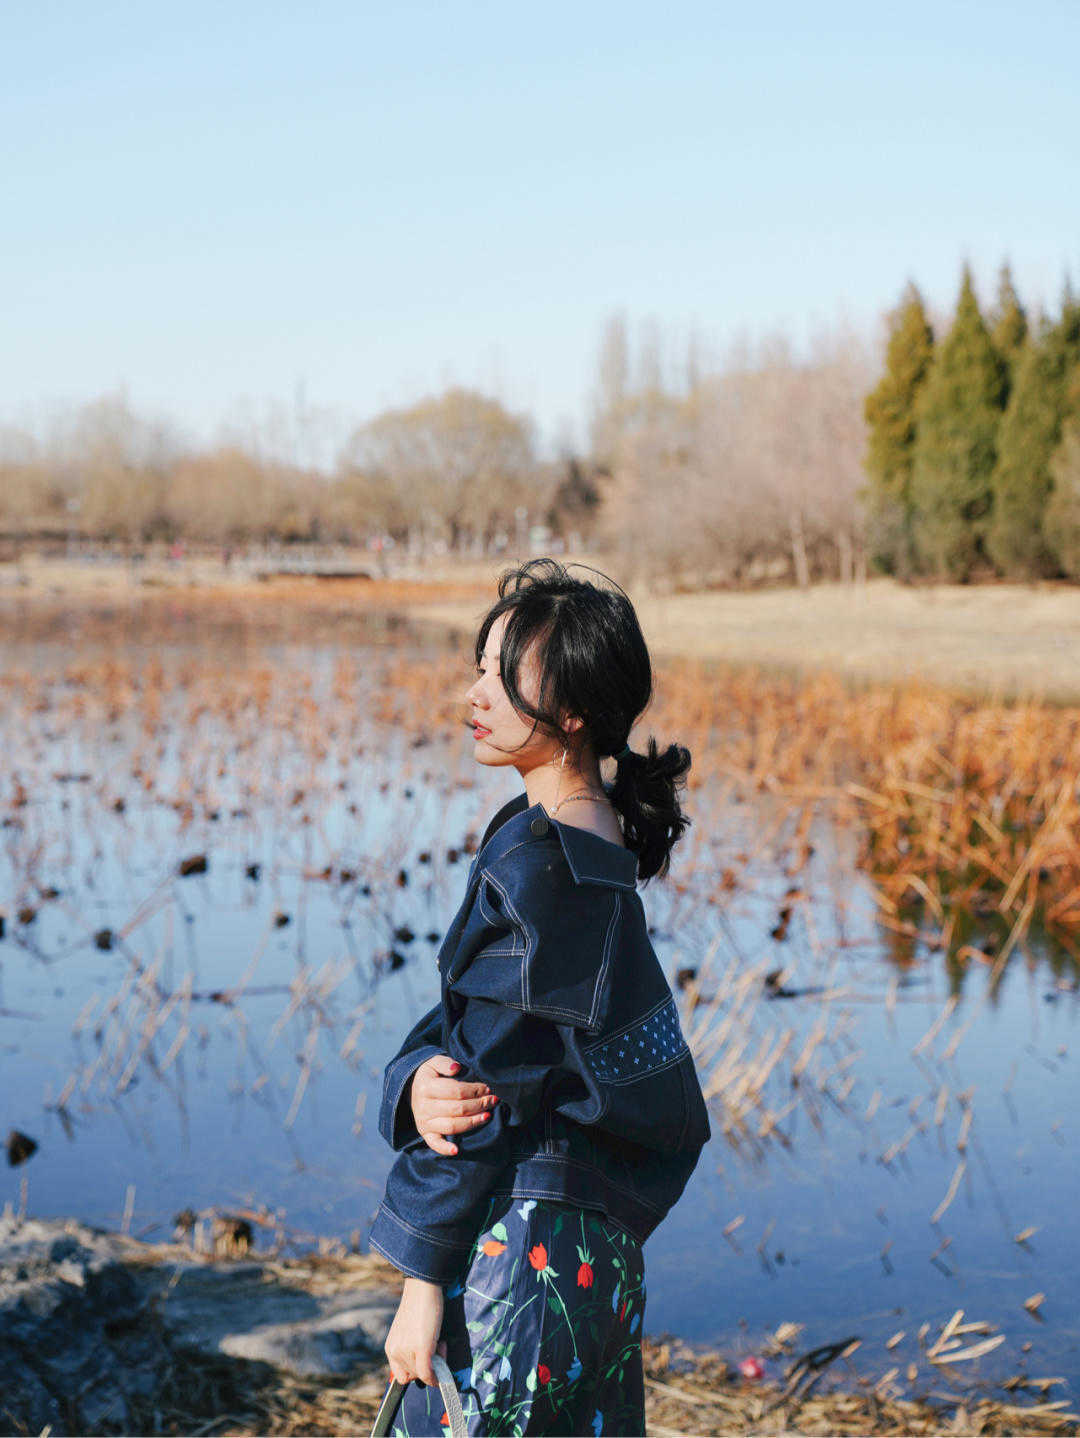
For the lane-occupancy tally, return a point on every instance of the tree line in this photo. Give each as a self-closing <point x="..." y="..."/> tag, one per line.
<point x="951" y="458"/>
<point x="973" y="442"/>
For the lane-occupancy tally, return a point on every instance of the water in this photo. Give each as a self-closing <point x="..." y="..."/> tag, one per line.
<point x="177" y="1094"/>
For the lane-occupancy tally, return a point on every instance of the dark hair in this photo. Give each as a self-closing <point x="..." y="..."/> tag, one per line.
<point x="593" y="663"/>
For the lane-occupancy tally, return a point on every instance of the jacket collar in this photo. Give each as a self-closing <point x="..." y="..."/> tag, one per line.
<point x="592" y="860"/>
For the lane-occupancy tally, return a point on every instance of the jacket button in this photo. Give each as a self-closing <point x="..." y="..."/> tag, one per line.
<point x="539" y="826"/>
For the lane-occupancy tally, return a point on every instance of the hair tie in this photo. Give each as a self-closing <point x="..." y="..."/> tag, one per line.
<point x="623" y="752"/>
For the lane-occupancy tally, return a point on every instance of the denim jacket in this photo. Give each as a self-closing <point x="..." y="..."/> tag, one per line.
<point x="552" y="994"/>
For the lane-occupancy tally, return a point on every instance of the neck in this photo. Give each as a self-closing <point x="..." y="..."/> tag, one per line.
<point x="547" y="784"/>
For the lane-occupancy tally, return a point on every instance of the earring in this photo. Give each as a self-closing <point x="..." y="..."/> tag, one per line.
<point x="562" y="761"/>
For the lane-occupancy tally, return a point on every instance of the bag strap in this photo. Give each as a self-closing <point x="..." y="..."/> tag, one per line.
<point x="450" y="1396"/>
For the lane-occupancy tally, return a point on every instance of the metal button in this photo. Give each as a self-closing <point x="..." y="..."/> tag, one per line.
<point x="539" y="826"/>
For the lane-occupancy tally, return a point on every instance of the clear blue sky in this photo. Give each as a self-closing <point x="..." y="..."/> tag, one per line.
<point x="210" y="202"/>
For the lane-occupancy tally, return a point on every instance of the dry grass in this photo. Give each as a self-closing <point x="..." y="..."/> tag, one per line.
<point x="1000" y="640"/>
<point x="688" y="1390"/>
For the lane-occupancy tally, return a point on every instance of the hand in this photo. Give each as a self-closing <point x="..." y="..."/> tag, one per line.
<point x="414" y="1333"/>
<point x="443" y="1105"/>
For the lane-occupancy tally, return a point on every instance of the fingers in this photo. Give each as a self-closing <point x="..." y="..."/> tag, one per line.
<point x="448" y="1086"/>
<point x="406" y="1367"/>
<point x="453" y="1122"/>
<point x="438" y="1144"/>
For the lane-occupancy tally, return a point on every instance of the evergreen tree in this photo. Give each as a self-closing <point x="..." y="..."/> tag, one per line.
<point x="1009" y="325"/>
<point x="890" y="416"/>
<point x="1061" y="517"/>
<point x="957" y="416"/>
<point x="1030" y="433"/>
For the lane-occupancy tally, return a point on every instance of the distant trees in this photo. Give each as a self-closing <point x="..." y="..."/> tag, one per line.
<point x="456" y="465"/>
<point x="1008" y="325"/>
<point x="742" y="473"/>
<point x="891" y="429"/>
<point x="1030" y="433"/>
<point x="949" y="458"/>
<point x="957" y="417"/>
<point x="976" y="427"/>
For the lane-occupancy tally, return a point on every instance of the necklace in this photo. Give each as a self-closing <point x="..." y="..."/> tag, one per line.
<point x="571" y="797"/>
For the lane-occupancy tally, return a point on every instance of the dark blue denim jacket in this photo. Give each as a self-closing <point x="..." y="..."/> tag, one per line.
<point x="552" y="995"/>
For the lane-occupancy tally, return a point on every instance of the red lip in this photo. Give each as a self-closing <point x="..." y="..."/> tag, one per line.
<point x="479" y="729"/>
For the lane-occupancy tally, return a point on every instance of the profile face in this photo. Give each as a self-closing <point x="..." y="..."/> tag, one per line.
<point x="501" y="735"/>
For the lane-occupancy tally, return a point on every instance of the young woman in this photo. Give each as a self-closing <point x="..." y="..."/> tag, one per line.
<point x="577" y="1117"/>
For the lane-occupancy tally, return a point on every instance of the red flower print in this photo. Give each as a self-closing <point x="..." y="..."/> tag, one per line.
<point x="538" y="1257"/>
<point x="584" y="1276"/>
<point x="444" y="1419"/>
<point x="543" y="1373"/>
<point x="622" y="1310"/>
<point x="492" y="1247"/>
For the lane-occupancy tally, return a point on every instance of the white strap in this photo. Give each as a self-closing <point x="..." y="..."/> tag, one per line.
<point x="450" y="1396"/>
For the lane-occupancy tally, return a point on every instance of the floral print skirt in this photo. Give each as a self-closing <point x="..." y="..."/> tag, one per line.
<point x="542" y="1327"/>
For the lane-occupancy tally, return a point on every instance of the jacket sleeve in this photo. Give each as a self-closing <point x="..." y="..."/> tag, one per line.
<point x="504" y="1035"/>
<point x="396" y="1123"/>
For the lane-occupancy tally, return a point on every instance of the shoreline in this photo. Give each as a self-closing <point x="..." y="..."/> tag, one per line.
<point x="996" y="641"/>
<point x="182" y="1342"/>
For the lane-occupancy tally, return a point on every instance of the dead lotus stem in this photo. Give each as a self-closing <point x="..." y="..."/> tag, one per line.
<point x="950" y="1192"/>
<point x="935" y="1028"/>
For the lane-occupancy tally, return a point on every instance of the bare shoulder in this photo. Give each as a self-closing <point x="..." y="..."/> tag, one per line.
<point x="604" y="824"/>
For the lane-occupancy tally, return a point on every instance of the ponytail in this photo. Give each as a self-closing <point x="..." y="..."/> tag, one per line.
<point x="646" y="794"/>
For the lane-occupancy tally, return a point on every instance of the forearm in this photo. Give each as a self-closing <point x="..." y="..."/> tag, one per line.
<point x="434" y="1204"/>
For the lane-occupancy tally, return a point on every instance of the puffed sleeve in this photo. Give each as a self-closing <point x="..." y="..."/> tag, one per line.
<point x="514" y="1001"/>
<point x="396" y="1122"/>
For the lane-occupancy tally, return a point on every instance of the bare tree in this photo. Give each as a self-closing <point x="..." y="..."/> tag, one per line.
<point x="456" y="465"/>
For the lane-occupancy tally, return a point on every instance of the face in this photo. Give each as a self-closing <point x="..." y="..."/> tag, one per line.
<point x="502" y="739"/>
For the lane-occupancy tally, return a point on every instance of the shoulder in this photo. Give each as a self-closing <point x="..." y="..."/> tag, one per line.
<point x="565" y="931"/>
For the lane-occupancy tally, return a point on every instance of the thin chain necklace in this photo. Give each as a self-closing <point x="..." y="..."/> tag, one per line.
<point x="569" y="798"/>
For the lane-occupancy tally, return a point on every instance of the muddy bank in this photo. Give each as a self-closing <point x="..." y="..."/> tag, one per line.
<point x="102" y="1333"/>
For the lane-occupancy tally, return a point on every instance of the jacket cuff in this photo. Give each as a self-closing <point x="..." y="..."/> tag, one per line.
<point x="414" y="1252"/>
<point x="396" y="1123"/>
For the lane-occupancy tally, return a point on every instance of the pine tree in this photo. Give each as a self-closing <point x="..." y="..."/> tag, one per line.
<point x="1061" y="517"/>
<point x="957" y="417"/>
<point x="890" y="415"/>
<point x="1009" y="325"/>
<point x="1030" y="432"/>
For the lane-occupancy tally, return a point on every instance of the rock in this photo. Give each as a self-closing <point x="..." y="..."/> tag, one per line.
<point x="90" y="1321"/>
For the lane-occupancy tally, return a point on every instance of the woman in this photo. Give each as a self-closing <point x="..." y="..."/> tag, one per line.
<point x="577" y="1113"/>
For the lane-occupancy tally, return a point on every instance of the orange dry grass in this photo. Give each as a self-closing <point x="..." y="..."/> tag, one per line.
<point x="966" y="804"/>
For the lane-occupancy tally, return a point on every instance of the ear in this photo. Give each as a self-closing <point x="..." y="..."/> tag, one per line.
<point x="572" y="723"/>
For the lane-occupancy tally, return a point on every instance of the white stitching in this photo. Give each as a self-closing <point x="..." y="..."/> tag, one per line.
<point x="615" y="912"/>
<point x="516" y="918"/>
<point x="419" y="1232"/>
<point x="646" y="1073"/>
<point x="641" y="1019"/>
<point x="589" y="1168"/>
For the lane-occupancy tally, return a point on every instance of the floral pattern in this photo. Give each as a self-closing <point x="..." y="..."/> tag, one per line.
<point x="542" y="1326"/>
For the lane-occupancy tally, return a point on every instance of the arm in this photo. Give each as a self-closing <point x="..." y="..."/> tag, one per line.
<point x="516" y="998"/>
<point x="433" y="1206"/>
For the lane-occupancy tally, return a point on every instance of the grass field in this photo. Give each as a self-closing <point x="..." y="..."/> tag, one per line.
<point x="1002" y="641"/>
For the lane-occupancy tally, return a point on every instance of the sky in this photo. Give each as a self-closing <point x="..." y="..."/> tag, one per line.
<point x="233" y="211"/>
